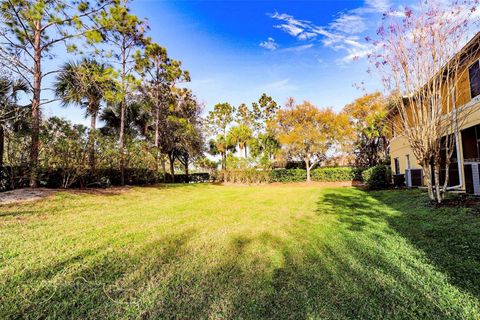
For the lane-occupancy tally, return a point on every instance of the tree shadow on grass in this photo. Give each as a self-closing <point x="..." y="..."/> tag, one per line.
<point x="364" y="263"/>
<point x="447" y="237"/>
<point x="345" y="278"/>
<point x="450" y="236"/>
<point x="93" y="284"/>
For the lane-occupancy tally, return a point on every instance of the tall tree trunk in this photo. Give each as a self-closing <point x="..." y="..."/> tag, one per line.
<point x="91" y="147"/>
<point x="186" y="169"/>
<point x="157" y="125"/>
<point x="245" y="151"/>
<point x="171" y="159"/>
<point x="122" y="143"/>
<point x="121" y="138"/>
<point x="37" y="85"/>
<point x="428" y="179"/>
<point x="307" y="165"/>
<point x="155" y="143"/>
<point x="438" y="192"/>
<point x="2" y="148"/>
<point x="164" y="169"/>
<point x="224" y="160"/>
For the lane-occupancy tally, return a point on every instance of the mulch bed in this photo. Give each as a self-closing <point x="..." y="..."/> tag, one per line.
<point x="464" y="201"/>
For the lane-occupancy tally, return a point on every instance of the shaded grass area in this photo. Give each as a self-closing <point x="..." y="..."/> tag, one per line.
<point x="223" y="252"/>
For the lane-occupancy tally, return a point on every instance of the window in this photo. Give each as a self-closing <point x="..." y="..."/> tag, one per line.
<point x="397" y="165"/>
<point x="474" y="76"/>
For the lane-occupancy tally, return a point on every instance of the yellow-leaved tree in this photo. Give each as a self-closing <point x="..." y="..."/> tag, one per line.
<point x="308" y="133"/>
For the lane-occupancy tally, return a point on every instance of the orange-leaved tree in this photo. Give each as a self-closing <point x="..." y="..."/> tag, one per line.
<point x="308" y="133"/>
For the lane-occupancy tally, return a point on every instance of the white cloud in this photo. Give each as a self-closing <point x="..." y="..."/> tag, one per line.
<point x="349" y="23"/>
<point x="306" y="35"/>
<point x="378" y="5"/>
<point x="301" y="29"/>
<point x="355" y="54"/>
<point x="298" y="48"/>
<point x="344" y="34"/>
<point x="340" y="35"/>
<point x="281" y="85"/>
<point x="290" y="29"/>
<point x="269" y="44"/>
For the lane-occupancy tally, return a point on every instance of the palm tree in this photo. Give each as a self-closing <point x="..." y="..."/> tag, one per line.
<point x="220" y="146"/>
<point x="86" y="84"/>
<point x="138" y="120"/>
<point x="9" y="108"/>
<point x="240" y="135"/>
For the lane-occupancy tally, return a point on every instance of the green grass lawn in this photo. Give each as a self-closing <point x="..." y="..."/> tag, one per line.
<point x="223" y="252"/>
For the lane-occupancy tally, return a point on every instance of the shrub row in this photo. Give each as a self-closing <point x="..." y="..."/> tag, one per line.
<point x="337" y="174"/>
<point x="288" y="175"/>
<point x="17" y="177"/>
<point x="291" y="175"/>
<point x="247" y="176"/>
<point x="327" y="174"/>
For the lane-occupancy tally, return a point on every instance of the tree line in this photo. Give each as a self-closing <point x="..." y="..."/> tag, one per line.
<point x="128" y="81"/>
<point x="266" y="133"/>
<point x="117" y="74"/>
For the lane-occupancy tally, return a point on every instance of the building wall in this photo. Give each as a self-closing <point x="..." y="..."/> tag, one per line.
<point x="399" y="146"/>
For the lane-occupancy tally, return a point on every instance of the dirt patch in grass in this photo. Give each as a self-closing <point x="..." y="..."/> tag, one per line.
<point x="29" y="195"/>
<point x="25" y="195"/>
<point x="113" y="191"/>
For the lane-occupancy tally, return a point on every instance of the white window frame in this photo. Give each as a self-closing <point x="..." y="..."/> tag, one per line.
<point x="469" y="82"/>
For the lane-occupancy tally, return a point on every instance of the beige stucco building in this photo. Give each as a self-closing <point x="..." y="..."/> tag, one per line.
<point x="465" y="167"/>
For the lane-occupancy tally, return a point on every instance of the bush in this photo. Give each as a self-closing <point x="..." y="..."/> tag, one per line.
<point x="358" y="173"/>
<point x="291" y="175"/>
<point x="245" y="176"/>
<point x="191" y="178"/>
<point x="334" y="174"/>
<point x="377" y="177"/>
<point x="288" y="175"/>
<point x="13" y="177"/>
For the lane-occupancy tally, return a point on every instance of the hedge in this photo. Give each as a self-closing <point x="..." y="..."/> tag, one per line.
<point x="288" y="175"/>
<point x="247" y="176"/>
<point x="335" y="174"/>
<point x="377" y="177"/>
<point x="17" y="177"/>
<point x="327" y="174"/>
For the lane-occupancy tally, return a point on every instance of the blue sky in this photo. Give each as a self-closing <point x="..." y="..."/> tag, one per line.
<point x="236" y="50"/>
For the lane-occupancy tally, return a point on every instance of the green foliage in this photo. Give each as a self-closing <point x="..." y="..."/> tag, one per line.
<point x="252" y="175"/>
<point x="264" y="112"/>
<point x="65" y="150"/>
<point x="334" y="174"/>
<point x="240" y="136"/>
<point x="377" y="177"/>
<point x="320" y="175"/>
<point x="288" y="175"/>
<point x="240" y="163"/>
<point x="220" y="117"/>
<point x="245" y="176"/>
<point x="369" y="139"/>
<point x="85" y="83"/>
<point x="255" y="175"/>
